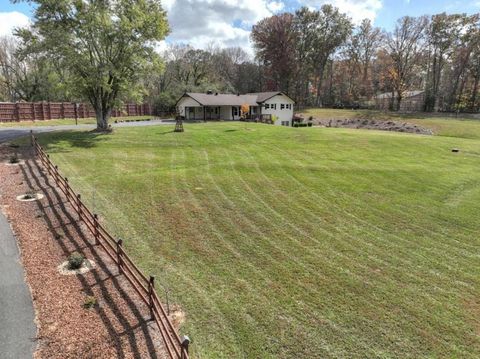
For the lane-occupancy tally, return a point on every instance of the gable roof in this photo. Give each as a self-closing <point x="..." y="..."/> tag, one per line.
<point x="251" y="99"/>
<point x="222" y="99"/>
<point x="264" y="96"/>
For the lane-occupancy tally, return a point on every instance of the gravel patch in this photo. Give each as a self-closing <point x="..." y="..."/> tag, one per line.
<point x="48" y="232"/>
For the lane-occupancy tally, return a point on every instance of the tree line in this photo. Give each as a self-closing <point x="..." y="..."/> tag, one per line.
<point x="320" y="58"/>
<point x="103" y="52"/>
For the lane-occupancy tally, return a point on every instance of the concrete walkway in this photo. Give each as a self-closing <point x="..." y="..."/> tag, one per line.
<point x="17" y="329"/>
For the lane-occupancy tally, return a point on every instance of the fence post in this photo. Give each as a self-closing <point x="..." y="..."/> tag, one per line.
<point x="151" y="286"/>
<point x="79" y="205"/>
<point x="17" y="112"/>
<point x="119" y="255"/>
<point x="184" y="346"/>
<point x="66" y="189"/>
<point x="95" y="223"/>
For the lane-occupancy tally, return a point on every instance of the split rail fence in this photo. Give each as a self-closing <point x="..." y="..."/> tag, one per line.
<point x="41" y="111"/>
<point x="176" y="347"/>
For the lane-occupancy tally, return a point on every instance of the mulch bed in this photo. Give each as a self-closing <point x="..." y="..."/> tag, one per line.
<point x="48" y="231"/>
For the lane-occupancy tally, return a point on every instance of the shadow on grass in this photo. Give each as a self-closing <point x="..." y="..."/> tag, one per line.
<point x="62" y="141"/>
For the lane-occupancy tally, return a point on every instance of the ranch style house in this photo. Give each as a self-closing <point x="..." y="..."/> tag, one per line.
<point x="214" y="106"/>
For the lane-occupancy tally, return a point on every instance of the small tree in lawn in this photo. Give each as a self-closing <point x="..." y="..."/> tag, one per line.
<point x="105" y="46"/>
<point x="244" y="110"/>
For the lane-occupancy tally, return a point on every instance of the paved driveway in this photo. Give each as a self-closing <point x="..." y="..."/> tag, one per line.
<point x="17" y="329"/>
<point x="10" y="133"/>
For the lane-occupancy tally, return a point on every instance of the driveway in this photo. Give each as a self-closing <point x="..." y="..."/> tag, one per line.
<point x="10" y="133"/>
<point x="17" y="329"/>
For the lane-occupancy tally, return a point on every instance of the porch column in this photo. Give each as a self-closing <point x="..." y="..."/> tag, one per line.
<point x="204" y="114"/>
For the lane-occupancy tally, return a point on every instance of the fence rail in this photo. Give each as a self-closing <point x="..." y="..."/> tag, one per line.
<point x="41" y="111"/>
<point x="176" y="347"/>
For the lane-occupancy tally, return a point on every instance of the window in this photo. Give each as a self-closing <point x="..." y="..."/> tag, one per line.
<point x="191" y="110"/>
<point x="273" y="106"/>
<point x="267" y="106"/>
<point x="235" y="111"/>
<point x="282" y="106"/>
<point x="285" y="123"/>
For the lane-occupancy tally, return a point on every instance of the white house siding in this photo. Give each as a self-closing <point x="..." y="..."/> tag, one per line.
<point x="226" y="112"/>
<point x="282" y="115"/>
<point x="188" y="102"/>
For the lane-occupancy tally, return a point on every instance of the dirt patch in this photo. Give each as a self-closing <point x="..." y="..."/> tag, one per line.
<point x="47" y="231"/>
<point x="373" y="125"/>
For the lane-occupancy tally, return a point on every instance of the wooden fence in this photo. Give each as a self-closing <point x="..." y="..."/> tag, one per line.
<point x="40" y="111"/>
<point x="175" y="347"/>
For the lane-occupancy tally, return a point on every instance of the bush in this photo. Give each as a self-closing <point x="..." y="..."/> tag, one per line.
<point x="13" y="159"/>
<point x="295" y="124"/>
<point x="310" y="124"/>
<point x="30" y="195"/>
<point x="90" y="302"/>
<point x="75" y="261"/>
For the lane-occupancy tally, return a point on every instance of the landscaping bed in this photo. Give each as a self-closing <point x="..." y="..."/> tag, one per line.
<point x="93" y="313"/>
<point x="370" y="124"/>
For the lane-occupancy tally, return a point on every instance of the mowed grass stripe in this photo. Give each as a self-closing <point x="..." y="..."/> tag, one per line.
<point x="300" y="242"/>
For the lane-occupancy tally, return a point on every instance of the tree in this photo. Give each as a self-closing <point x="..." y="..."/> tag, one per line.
<point x="106" y="46"/>
<point x="330" y="31"/>
<point x="275" y="40"/>
<point x="405" y="46"/>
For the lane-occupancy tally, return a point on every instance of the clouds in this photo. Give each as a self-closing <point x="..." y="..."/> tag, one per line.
<point x="357" y="10"/>
<point x="228" y="22"/>
<point x="221" y="22"/>
<point x="11" y="20"/>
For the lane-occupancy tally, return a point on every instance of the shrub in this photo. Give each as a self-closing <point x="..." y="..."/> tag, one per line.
<point x="295" y="124"/>
<point x="30" y="195"/>
<point x="310" y="124"/>
<point x="13" y="159"/>
<point x="75" y="261"/>
<point x="90" y="302"/>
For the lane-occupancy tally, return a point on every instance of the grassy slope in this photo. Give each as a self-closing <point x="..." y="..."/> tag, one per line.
<point x="442" y="126"/>
<point x="286" y="243"/>
<point x="66" y="121"/>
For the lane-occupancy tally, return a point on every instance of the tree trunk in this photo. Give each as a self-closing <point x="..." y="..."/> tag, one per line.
<point x="102" y="115"/>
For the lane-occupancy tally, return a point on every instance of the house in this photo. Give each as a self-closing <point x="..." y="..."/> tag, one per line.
<point x="215" y="106"/>
<point x="411" y="101"/>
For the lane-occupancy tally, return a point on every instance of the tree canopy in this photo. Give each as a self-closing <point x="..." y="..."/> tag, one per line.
<point x="106" y="46"/>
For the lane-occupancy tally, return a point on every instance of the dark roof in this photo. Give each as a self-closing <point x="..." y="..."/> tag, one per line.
<point x="222" y="99"/>
<point x="264" y="96"/>
<point x="251" y="99"/>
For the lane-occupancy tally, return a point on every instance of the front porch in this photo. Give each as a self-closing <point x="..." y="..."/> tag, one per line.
<point x="216" y="113"/>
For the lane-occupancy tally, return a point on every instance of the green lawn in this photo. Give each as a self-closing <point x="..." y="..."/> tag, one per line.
<point x="442" y="126"/>
<point x="296" y="242"/>
<point x="67" y="121"/>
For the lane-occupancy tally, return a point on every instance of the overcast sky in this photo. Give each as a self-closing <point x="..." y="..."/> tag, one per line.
<point x="228" y="22"/>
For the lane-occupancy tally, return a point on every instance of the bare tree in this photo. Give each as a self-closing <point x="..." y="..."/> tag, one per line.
<point x="405" y="47"/>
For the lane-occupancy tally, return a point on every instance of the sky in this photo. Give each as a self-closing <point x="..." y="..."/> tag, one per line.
<point x="201" y="23"/>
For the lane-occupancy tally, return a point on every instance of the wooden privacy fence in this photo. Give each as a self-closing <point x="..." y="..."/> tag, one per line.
<point x="40" y="111"/>
<point x="175" y="347"/>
